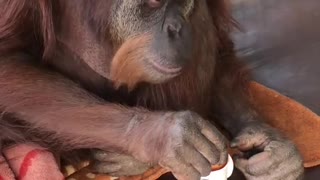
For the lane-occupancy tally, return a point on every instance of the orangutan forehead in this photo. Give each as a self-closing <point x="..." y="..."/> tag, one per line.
<point x="186" y="5"/>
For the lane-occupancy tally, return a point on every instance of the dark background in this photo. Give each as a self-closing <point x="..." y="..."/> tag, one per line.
<point x="281" y="43"/>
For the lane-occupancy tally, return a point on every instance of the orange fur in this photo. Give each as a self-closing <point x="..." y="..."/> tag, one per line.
<point x="128" y="66"/>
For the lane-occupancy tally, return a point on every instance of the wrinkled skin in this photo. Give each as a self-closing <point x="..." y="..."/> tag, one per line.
<point x="277" y="157"/>
<point x="192" y="145"/>
<point x="266" y="154"/>
<point x="117" y="165"/>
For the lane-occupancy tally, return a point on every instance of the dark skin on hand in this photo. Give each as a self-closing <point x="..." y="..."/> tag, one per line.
<point x="140" y="83"/>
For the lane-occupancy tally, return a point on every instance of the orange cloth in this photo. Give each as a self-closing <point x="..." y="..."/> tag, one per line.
<point x="295" y="120"/>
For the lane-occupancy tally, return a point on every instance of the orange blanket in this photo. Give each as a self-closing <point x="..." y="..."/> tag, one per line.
<point x="293" y="119"/>
<point x="296" y="121"/>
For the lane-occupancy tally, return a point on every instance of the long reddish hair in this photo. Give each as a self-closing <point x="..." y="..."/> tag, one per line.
<point x="27" y="26"/>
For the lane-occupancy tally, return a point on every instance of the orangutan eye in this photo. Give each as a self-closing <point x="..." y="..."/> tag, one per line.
<point x="154" y="3"/>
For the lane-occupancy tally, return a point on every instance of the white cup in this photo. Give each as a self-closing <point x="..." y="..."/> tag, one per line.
<point x="221" y="174"/>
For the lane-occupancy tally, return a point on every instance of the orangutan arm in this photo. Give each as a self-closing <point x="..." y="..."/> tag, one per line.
<point x="67" y="115"/>
<point x="266" y="153"/>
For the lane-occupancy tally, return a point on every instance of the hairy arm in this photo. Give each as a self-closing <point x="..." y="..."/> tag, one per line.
<point x="49" y="102"/>
<point x="75" y="119"/>
<point x="266" y="153"/>
<point x="231" y="103"/>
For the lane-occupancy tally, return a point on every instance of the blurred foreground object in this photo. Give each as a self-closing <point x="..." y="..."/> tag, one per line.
<point x="280" y="40"/>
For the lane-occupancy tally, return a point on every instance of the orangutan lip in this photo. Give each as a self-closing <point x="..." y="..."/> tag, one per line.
<point x="165" y="70"/>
